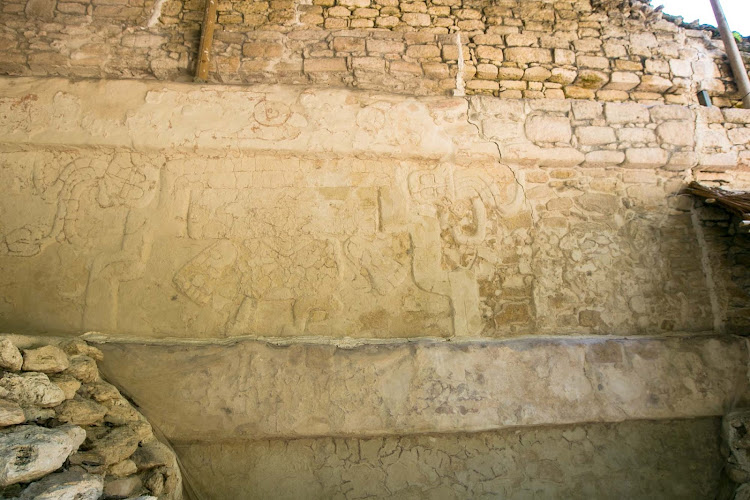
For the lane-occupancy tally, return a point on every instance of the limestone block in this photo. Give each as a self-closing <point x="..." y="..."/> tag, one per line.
<point x="563" y="75"/>
<point x="626" y="113"/>
<point x="78" y="346"/>
<point x="41" y="9"/>
<point x="646" y="157"/>
<point x="589" y="79"/>
<point x="739" y="136"/>
<point x="713" y="140"/>
<point x="116" y="445"/>
<point x="80" y="411"/>
<point x="509" y="73"/>
<point x="678" y="133"/>
<point x="583" y="110"/>
<point x="659" y="113"/>
<point x="10" y="356"/>
<point x="423" y="51"/>
<point x="67" y="383"/>
<point x="537" y="74"/>
<point x="540" y="128"/>
<point x="325" y="65"/>
<point x="83" y="368"/>
<point x="122" y="487"/>
<point x="654" y="83"/>
<point x="489" y="53"/>
<point x="46" y="359"/>
<point x="486" y="71"/>
<point x="10" y="413"/>
<point x="101" y="391"/>
<point x="576" y="92"/>
<point x="521" y="40"/>
<point x="29" y="452"/>
<point x="384" y="46"/>
<point x="564" y="57"/>
<point x="416" y="19"/>
<point x="622" y="80"/>
<point x="152" y="455"/>
<point x="123" y="469"/>
<point x="683" y="159"/>
<point x="35" y="414"/>
<point x="594" y="62"/>
<point x="638" y="135"/>
<point x="681" y="68"/>
<point x="31" y="389"/>
<point x="69" y="485"/>
<point x="736" y="115"/>
<point x="719" y="160"/>
<point x="354" y="3"/>
<point x="601" y="159"/>
<point x="612" y="95"/>
<point x="526" y="55"/>
<point x="595" y="135"/>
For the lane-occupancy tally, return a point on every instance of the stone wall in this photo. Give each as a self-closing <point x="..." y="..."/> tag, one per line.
<point x="512" y="49"/>
<point x="300" y="269"/>
<point x="169" y="210"/>
<point x="66" y="433"/>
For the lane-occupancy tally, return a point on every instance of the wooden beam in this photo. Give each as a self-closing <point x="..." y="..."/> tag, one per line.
<point x="207" y="41"/>
<point x="735" y="60"/>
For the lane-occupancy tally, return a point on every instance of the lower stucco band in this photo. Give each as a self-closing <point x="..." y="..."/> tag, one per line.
<point x="669" y="459"/>
<point x="252" y="389"/>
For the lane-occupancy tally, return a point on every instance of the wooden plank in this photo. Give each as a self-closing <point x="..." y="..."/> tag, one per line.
<point x="207" y="40"/>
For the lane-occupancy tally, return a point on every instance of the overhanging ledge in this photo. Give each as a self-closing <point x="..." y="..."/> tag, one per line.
<point x="251" y="389"/>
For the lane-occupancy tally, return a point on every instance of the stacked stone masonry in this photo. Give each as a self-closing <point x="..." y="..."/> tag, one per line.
<point x="66" y="433"/>
<point x="510" y="48"/>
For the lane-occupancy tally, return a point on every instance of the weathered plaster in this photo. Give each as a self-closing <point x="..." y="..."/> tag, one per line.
<point x="159" y="209"/>
<point x="646" y="460"/>
<point x="248" y="389"/>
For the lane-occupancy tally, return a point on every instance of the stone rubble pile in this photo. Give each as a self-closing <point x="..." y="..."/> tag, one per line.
<point x="67" y="434"/>
<point x="735" y="433"/>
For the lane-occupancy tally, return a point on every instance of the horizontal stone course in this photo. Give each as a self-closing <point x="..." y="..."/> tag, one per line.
<point x="616" y="60"/>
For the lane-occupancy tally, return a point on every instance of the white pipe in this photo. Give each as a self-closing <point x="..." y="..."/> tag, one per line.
<point x="733" y="53"/>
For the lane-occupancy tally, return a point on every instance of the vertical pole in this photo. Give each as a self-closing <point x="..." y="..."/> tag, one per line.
<point x="733" y="53"/>
<point x="207" y="40"/>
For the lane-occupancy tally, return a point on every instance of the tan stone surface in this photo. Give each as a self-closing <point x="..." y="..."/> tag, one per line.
<point x="280" y="211"/>
<point x="664" y="460"/>
<point x="252" y="389"/>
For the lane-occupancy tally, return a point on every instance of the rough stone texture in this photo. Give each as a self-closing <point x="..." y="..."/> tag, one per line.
<point x="10" y="413"/>
<point x="80" y="411"/>
<point x="46" y="359"/>
<point x="252" y="389"/>
<point x="665" y="460"/>
<point x="560" y="48"/>
<point x="69" y="485"/>
<point x="29" y="452"/>
<point x="10" y="356"/>
<point x="420" y="220"/>
<point x="31" y="389"/>
<point x="89" y="433"/>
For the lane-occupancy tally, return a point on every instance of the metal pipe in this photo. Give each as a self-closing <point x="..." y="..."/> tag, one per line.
<point x="733" y="53"/>
<point x="207" y="40"/>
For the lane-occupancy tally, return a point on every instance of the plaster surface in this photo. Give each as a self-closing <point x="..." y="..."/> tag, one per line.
<point x="647" y="460"/>
<point x="169" y="210"/>
<point x="250" y="389"/>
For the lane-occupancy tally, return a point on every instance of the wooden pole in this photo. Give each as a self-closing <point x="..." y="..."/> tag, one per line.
<point x="733" y="53"/>
<point x="207" y="40"/>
